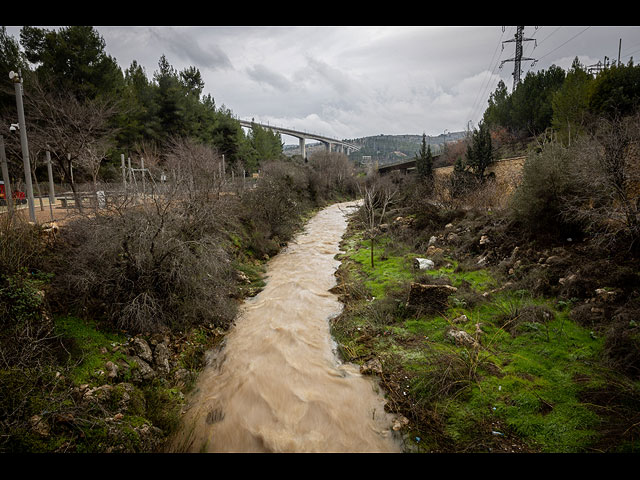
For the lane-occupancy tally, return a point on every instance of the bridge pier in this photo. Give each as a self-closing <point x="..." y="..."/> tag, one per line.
<point x="303" y="151"/>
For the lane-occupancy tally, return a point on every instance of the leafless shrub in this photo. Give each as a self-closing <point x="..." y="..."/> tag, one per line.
<point x="377" y="195"/>
<point x="607" y="172"/>
<point x="271" y="210"/>
<point x="331" y="174"/>
<point x="20" y="244"/>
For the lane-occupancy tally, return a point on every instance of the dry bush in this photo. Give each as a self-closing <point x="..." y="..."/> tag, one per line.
<point x="331" y="175"/>
<point x="607" y="172"/>
<point x="271" y="211"/>
<point x="25" y="328"/>
<point x="21" y="244"/>
<point x="159" y="261"/>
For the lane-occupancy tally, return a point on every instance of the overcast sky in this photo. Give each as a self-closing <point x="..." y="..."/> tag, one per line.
<point x="349" y="82"/>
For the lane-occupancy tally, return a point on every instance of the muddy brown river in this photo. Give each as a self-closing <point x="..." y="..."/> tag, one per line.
<point x="277" y="384"/>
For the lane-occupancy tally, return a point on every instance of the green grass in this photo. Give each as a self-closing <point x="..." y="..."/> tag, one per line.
<point x="90" y="348"/>
<point x="524" y="380"/>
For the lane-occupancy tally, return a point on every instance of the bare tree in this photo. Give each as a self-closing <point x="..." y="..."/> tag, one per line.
<point x="67" y="127"/>
<point x="196" y="167"/>
<point x="377" y="194"/>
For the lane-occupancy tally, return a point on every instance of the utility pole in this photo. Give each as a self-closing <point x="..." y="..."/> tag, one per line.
<point x="518" y="38"/>
<point x="16" y="78"/>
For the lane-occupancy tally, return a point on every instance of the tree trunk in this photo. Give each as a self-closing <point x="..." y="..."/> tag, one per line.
<point x="372" y="251"/>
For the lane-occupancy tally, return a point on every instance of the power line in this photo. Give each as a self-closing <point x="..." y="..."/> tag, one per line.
<point x="481" y="92"/>
<point x="563" y="44"/>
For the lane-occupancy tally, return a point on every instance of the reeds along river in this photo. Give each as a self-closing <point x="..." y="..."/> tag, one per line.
<point x="277" y="385"/>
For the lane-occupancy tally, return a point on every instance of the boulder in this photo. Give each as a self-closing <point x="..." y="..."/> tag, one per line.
<point x="371" y="366"/>
<point x="433" y="250"/>
<point x="460" y="337"/>
<point x="430" y="296"/>
<point x="111" y="369"/>
<point x="424" y="264"/>
<point x="161" y="358"/>
<point x="142" y="349"/>
<point x="144" y="369"/>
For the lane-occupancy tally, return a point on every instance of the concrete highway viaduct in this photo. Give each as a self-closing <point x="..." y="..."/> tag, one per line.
<point x="330" y="143"/>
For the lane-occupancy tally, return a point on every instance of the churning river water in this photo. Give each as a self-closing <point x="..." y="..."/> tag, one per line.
<point x="277" y="384"/>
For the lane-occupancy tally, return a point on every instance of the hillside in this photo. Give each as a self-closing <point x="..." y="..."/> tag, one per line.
<point x="385" y="148"/>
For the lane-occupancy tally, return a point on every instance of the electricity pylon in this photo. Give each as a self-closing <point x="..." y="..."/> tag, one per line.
<point x="517" y="59"/>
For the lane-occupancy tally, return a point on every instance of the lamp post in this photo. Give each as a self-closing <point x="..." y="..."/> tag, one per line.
<point x="16" y="78"/>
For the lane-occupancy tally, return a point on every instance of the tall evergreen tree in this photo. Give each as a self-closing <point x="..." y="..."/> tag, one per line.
<point x="480" y="151"/>
<point x="72" y="59"/>
<point x="424" y="161"/>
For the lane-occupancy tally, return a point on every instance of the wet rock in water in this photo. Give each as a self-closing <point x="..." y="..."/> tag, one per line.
<point x="424" y="264"/>
<point x="371" y="366"/>
<point x="400" y="422"/>
<point x="430" y="296"/>
<point x="142" y="349"/>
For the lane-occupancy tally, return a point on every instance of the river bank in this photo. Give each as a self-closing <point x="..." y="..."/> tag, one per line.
<point x="530" y="348"/>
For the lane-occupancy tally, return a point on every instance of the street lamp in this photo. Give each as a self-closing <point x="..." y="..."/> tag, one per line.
<point x="17" y="82"/>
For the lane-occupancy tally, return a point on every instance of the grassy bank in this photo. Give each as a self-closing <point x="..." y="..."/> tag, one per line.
<point x="525" y="377"/>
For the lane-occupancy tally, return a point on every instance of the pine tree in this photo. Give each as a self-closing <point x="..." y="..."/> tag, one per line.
<point x="424" y="161"/>
<point x="480" y="152"/>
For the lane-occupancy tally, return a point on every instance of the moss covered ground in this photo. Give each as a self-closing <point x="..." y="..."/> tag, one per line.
<point x="524" y="389"/>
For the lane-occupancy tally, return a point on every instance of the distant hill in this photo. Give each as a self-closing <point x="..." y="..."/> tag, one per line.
<point x="385" y="148"/>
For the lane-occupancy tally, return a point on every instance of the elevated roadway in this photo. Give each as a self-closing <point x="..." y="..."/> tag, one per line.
<point x="340" y="145"/>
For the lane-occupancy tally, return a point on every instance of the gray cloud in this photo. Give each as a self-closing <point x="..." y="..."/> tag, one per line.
<point x="185" y="45"/>
<point x="264" y="75"/>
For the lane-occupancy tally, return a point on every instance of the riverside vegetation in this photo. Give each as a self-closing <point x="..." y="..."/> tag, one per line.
<point x="527" y="337"/>
<point x="106" y="322"/>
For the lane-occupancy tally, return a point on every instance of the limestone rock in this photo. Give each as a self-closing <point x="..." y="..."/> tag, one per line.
<point x="242" y="277"/>
<point x="161" y="358"/>
<point x="142" y="349"/>
<point x="424" y="264"/>
<point x="144" y="369"/>
<point x="460" y="337"/>
<point x="400" y="422"/>
<point x="371" y="366"/>
<point x="461" y="319"/>
<point x="111" y="369"/>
